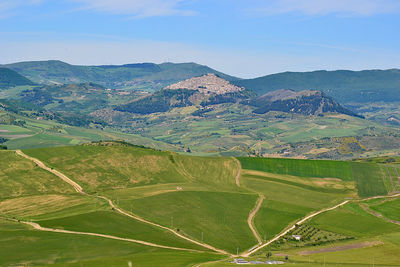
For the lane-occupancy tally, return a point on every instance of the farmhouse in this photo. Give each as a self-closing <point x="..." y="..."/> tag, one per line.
<point x="297" y="237"/>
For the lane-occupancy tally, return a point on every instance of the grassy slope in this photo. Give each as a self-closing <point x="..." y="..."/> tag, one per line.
<point x="141" y="180"/>
<point x="145" y="180"/>
<point x="98" y="168"/>
<point x="351" y="220"/>
<point x="112" y="223"/>
<point x="390" y="209"/>
<point x="220" y="216"/>
<point x="299" y="167"/>
<point x="45" y="133"/>
<point x="16" y="175"/>
<point x="287" y="201"/>
<point x="368" y="176"/>
<point x="23" y="246"/>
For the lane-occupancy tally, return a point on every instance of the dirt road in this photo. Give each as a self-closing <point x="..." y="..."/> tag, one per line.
<point x="40" y="228"/>
<point x="250" y="219"/>
<point x="247" y="254"/>
<point x="237" y="179"/>
<point x="79" y="189"/>
<point x="76" y="186"/>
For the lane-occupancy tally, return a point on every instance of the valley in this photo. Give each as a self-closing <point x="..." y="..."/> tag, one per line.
<point x="229" y="122"/>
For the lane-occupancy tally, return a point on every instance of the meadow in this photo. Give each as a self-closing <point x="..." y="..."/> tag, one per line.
<point x="188" y="202"/>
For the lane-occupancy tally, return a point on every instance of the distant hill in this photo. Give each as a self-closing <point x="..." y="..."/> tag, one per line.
<point x="305" y="102"/>
<point x="147" y="76"/>
<point x="10" y="78"/>
<point x="343" y="85"/>
<point x="205" y="90"/>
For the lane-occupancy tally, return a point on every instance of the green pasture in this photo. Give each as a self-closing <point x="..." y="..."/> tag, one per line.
<point x="389" y="208"/>
<point x="21" y="177"/>
<point x="112" y="223"/>
<point x="24" y="246"/>
<point x="113" y="166"/>
<point x="352" y="220"/>
<point x="368" y="178"/>
<point x="300" y="167"/>
<point x="220" y="218"/>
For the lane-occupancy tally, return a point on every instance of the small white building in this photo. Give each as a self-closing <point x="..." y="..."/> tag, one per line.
<point x="297" y="237"/>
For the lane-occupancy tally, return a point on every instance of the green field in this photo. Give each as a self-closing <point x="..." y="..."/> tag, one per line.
<point x="196" y="197"/>
<point x="299" y="167"/>
<point x="367" y="176"/>
<point x="390" y="208"/>
<point x="23" y="246"/>
<point x="20" y="177"/>
<point x="111" y="223"/>
<point x="375" y="240"/>
<point x="217" y="216"/>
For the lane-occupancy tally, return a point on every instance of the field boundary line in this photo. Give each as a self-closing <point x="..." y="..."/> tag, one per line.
<point x="138" y="218"/>
<point x="377" y="214"/>
<point x="37" y="226"/>
<point x="79" y="189"/>
<point x="252" y="215"/>
<point x="294" y="226"/>
<point x="237" y="178"/>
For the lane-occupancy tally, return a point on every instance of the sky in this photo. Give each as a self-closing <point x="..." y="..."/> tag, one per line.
<point x="245" y="38"/>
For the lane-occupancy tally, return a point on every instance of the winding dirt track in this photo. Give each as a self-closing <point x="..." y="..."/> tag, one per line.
<point x="247" y="254"/>
<point x="76" y="186"/>
<point x="40" y="228"/>
<point x="237" y="178"/>
<point x="79" y="189"/>
<point x="250" y="220"/>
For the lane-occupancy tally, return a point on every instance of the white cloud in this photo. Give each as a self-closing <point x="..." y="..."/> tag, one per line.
<point x="323" y="7"/>
<point x="136" y="8"/>
<point x="8" y="7"/>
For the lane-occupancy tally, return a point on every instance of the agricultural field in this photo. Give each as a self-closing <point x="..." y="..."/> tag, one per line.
<point x="131" y="205"/>
<point x="367" y="176"/>
<point x="22" y="132"/>
<point x="349" y="236"/>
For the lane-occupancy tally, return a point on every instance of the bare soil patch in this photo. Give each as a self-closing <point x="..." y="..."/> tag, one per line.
<point x="341" y="248"/>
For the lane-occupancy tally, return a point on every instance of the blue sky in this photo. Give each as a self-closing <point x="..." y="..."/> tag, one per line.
<point x="246" y="38"/>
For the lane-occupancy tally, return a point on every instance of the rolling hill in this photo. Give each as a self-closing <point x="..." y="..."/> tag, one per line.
<point x="153" y="208"/>
<point x="202" y="91"/>
<point x="343" y="85"/>
<point x="147" y="76"/>
<point x="305" y="102"/>
<point x="10" y="78"/>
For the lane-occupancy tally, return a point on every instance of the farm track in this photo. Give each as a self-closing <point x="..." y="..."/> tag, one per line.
<point x="250" y="220"/>
<point x="397" y="173"/>
<point x="237" y="178"/>
<point x="79" y="189"/>
<point x="377" y="214"/>
<point x="252" y="214"/>
<point x="247" y="254"/>
<point x="45" y="229"/>
<point x="390" y="178"/>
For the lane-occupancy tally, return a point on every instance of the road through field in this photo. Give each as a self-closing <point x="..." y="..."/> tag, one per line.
<point x="247" y="254"/>
<point x="250" y="220"/>
<point x="79" y="189"/>
<point x="40" y="228"/>
<point x="237" y="178"/>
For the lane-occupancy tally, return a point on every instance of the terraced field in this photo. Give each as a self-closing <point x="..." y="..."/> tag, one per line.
<point x="154" y="208"/>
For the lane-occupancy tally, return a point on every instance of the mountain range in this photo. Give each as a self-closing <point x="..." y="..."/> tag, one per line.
<point x="182" y="106"/>
<point x="146" y="76"/>
<point x="344" y="85"/>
